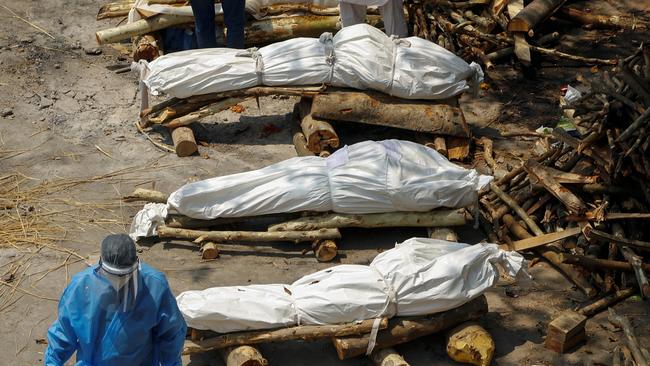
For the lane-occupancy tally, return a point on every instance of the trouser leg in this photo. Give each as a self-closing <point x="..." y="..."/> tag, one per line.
<point x="393" y="15"/>
<point x="204" y="25"/>
<point x="234" y="16"/>
<point x="352" y="14"/>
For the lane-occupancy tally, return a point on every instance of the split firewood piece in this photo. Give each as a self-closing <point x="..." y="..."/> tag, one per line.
<point x="457" y="147"/>
<point x="601" y="235"/>
<point x="533" y="14"/>
<point x="325" y="250"/>
<point x="405" y="329"/>
<point x="537" y="241"/>
<point x="552" y="256"/>
<point x="208" y="110"/>
<point x="440" y="145"/>
<point x="602" y="21"/>
<point x="145" y="48"/>
<point x="436" y="218"/>
<point x="632" y="342"/>
<point x="488" y="153"/>
<point x="573" y="204"/>
<point x="470" y="343"/>
<point x="184" y="141"/>
<point x="437" y="117"/>
<point x="319" y="134"/>
<point x="243" y="356"/>
<point x="148" y="195"/>
<point x="209" y="251"/>
<point x="566" y="331"/>
<point x="522" y="48"/>
<point x="253" y="236"/>
<point x="388" y="357"/>
<point x="298" y="138"/>
<point x="569" y="178"/>
<point x="300" y="332"/>
<point x="636" y="263"/>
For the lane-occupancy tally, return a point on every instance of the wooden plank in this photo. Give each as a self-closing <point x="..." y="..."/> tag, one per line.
<point x="537" y="241"/>
<point x="573" y="204"/>
<point x="442" y="117"/>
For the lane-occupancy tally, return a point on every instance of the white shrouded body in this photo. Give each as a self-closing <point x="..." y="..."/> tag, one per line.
<point x="367" y="177"/>
<point x="417" y="277"/>
<point x="359" y="56"/>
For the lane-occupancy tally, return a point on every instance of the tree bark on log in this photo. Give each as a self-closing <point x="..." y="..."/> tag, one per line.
<point x="388" y="357"/>
<point x="243" y="356"/>
<point x="319" y="134"/>
<point x="405" y="329"/>
<point x="253" y="236"/>
<point x="601" y="21"/>
<point x="148" y="195"/>
<point x="533" y="14"/>
<point x="597" y="263"/>
<point x="436" y="218"/>
<point x="301" y="332"/>
<point x="203" y="112"/>
<point x="141" y="27"/>
<point x="605" y="302"/>
<point x="437" y="117"/>
<point x="184" y="142"/>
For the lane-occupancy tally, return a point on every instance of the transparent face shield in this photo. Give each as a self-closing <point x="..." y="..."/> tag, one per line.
<point x="124" y="283"/>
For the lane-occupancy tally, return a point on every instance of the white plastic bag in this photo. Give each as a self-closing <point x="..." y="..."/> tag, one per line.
<point x="359" y="56"/>
<point x="417" y="277"/>
<point x="367" y="177"/>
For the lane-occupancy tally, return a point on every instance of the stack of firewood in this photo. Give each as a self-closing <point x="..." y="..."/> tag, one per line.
<point x="491" y="30"/>
<point x="319" y="229"/>
<point x="584" y="204"/>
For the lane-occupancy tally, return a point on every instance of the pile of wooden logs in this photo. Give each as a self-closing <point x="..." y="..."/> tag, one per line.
<point x="490" y="30"/>
<point x="584" y="204"/>
<point x="321" y="230"/>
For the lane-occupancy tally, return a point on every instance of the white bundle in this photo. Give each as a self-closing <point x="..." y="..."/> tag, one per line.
<point x="419" y="276"/>
<point x="358" y="56"/>
<point x="367" y="177"/>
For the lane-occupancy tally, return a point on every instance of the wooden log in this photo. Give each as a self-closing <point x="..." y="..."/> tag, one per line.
<point x="568" y="56"/>
<point x="388" y="357"/>
<point x="301" y="332"/>
<point x="565" y="331"/>
<point x="487" y="153"/>
<point x="601" y="235"/>
<point x="243" y="356"/>
<point x="470" y="343"/>
<point x="148" y="195"/>
<point x="515" y="207"/>
<point x="405" y="329"/>
<point x="537" y="241"/>
<point x="440" y="145"/>
<point x="114" y="10"/>
<point x="573" y="204"/>
<point x="209" y="251"/>
<point x="325" y="250"/>
<point x="276" y="9"/>
<point x="184" y="142"/>
<point x="632" y="341"/>
<point x="443" y="233"/>
<point x="522" y="48"/>
<point x="437" y="117"/>
<point x="180" y="221"/>
<point x="320" y="134"/>
<point x="205" y="111"/>
<point x="636" y="262"/>
<point x="141" y="27"/>
<point x="457" y="147"/>
<point x="145" y="48"/>
<point x="553" y="257"/>
<point x="602" y="21"/>
<point x="598" y="264"/>
<point x="300" y="144"/>
<point x="436" y="218"/>
<point x="254" y="236"/>
<point x="533" y="14"/>
<point x="569" y="140"/>
<point x="605" y="302"/>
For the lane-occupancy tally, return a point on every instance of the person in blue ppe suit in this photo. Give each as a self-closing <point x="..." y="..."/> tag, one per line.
<point x="118" y="312"/>
<point x="234" y="17"/>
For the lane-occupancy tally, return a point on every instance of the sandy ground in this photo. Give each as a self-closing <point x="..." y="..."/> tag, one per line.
<point x="73" y="118"/>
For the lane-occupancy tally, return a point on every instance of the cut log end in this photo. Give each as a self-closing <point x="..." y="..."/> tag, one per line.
<point x="209" y="251"/>
<point x="326" y="250"/>
<point x="470" y="343"/>
<point x="184" y="142"/>
<point x="243" y="356"/>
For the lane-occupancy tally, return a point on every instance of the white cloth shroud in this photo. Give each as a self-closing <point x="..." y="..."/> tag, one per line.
<point x="366" y="177"/>
<point x="419" y="276"/>
<point x="359" y="56"/>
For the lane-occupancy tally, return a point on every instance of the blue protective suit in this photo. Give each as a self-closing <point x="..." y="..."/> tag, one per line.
<point x="152" y="333"/>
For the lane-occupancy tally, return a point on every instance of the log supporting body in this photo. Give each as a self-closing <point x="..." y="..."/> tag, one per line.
<point x="243" y="356"/>
<point x="319" y="134"/>
<point x="253" y="236"/>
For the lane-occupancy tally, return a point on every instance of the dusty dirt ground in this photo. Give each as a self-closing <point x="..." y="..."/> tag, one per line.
<point x="71" y="117"/>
